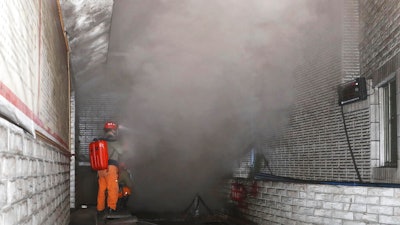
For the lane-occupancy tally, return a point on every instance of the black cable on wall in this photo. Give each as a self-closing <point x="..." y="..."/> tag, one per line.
<point x="348" y="143"/>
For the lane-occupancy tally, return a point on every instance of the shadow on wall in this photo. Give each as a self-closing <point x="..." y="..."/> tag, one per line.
<point x="86" y="182"/>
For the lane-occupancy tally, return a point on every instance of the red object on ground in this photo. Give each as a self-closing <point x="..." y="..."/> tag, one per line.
<point x="238" y="192"/>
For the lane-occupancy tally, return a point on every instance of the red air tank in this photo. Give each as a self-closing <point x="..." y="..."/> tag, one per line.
<point x="98" y="153"/>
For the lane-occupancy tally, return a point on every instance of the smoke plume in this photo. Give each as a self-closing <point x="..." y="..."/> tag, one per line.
<point x="201" y="82"/>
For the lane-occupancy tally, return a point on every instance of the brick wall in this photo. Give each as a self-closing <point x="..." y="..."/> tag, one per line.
<point x="380" y="60"/>
<point x="314" y="148"/>
<point x="92" y="112"/>
<point x="380" y="23"/>
<point x="72" y="144"/>
<point x="314" y="145"/>
<point x="34" y="182"/>
<point x="351" y="37"/>
<point x="296" y="203"/>
<point x="34" y="170"/>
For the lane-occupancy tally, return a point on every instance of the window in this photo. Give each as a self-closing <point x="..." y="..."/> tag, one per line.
<point x="388" y="124"/>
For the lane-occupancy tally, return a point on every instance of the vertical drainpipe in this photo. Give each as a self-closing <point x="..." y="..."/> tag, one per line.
<point x="69" y="89"/>
<point x="68" y="71"/>
<point x="39" y="57"/>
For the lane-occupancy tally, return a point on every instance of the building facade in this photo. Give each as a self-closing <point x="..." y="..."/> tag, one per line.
<point x="322" y="135"/>
<point x="335" y="164"/>
<point x="314" y="145"/>
<point x="379" y="63"/>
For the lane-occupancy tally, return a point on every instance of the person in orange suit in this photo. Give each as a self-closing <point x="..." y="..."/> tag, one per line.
<point x="108" y="178"/>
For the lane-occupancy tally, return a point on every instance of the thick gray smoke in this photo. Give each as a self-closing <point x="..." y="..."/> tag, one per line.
<point x="203" y="81"/>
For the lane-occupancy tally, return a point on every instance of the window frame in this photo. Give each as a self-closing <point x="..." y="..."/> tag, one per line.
<point x="388" y="153"/>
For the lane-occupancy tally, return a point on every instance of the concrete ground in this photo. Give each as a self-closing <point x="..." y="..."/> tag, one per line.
<point x="88" y="216"/>
<point x="83" y="217"/>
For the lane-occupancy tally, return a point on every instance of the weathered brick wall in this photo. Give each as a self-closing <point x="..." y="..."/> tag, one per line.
<point x="34" y="181"/>
<point x="296" y="203"/>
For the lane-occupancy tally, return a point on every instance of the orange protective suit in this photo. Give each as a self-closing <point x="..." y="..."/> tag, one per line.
<point x="108" y="180"/>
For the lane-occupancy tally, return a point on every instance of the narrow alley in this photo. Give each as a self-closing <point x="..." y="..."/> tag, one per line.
<point x="219" y="112"/>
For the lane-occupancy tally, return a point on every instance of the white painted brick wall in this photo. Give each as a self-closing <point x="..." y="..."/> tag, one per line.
<point x="295" y="203"/>
<point x="34" y="181"/>
<point x="34" y="176"/>
<point x="72" y="144"/>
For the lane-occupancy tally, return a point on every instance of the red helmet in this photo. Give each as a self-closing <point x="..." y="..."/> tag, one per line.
<point x="109" y="125"/>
